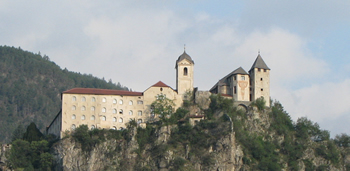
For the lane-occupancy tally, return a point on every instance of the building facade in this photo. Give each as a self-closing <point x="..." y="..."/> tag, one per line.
<point x="245" y="87"/>
<point x="113" y="109"/>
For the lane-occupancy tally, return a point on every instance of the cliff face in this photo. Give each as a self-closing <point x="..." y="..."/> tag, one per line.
<point x="122" y="155"/>
<point x="228" y="139"/>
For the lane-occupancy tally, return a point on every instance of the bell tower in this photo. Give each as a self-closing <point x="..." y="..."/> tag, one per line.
<point x="184" y="74"/>
<point x="260" y="80"/>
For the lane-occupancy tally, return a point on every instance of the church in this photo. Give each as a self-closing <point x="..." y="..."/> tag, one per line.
<point x="113" y="109"/>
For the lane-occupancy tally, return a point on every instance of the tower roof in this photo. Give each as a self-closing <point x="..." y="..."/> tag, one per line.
<point x="184" y="56"/>
<point x="259" y="63"/>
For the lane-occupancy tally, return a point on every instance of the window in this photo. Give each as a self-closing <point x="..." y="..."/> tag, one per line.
<point x="130" y="102"/>
<point x="114" y="128"/>
<point x="139" y="121"/>
<point x="121" y="128"/>
<point x="130" y="112"/>
<point x="83" y="99"/>
<point x="74" y="108"/>
<point x="121" y="111"/>
<point x="264" y="70"/>
<point x="92" y="117"/>
<point x="93" y="99"/>
<point x="83" y="108"/>
<point x="104" y="110"/>
<point x="74" y="98"/>
<point x="114" y="101"/>
<point x="234" y="78"/>
<point x="259" y="69"/>
<point x="262" y="89"/>
<point x="120" y="101"/>
<point x="93" y="127"/>
<point x="161" y="89"/>
<point x="234" y="90"/>
<point x="92" y="108"/>
<point x="73" y="116"/>
<point x="104" y="100"/>
<point x="114" y="111"/>
<point x="185" y="71"/>
<point x="261" y="79"/>
<point x="104" y="118"/>
<point x="242" y="77"/>
<point x="121" y="120"/>
<point x="139" y="113"/>
<point x="73" y="127"/>
<point x="139" y="102"/>
<point x="114" y="119"/>
<point x="83" y="117"/>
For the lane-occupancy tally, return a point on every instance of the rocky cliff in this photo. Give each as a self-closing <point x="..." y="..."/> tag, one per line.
<point x="228" y="139"/>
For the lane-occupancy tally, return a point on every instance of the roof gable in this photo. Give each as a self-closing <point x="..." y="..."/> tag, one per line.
<point x="96" y="91"/>
<point x="183" y="57"/>
<point x="259" y="63"/>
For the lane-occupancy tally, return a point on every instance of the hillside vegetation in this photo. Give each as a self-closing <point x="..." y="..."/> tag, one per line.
<point x="228" y="139"/>
<point x="31" y="86"/>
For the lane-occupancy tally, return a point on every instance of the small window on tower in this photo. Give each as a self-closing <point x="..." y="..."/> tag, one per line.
<point x="262" y="89"/>
<point x="261" y="79"/>
<point x="259" y="69"/>
<point x="185" y="71"/>
<point x="242" y="77"/>
<point x="234" y="90"/>
<point x="264" y="70"/>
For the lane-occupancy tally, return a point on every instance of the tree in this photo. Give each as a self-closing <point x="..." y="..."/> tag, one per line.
<point x="163" y="106"/>
<point x="32" y="133"/>
<point x="18" y="133"/>
<point x="20" y="154"/>
<point x="342" y="140"/>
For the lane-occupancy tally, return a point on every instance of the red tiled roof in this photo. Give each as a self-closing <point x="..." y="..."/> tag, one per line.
<point x="102" y="92"/>
<point x="160" y="84"/>
<point x="226" y="95"/>
<point x="196" y="116"/>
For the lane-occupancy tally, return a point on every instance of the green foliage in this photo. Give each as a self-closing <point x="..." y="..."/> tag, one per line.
<point x="163" y="107"/>
<point x="20" y="154"/>
<point x="32" y="133"/>
<point x="342" y="140"/>
<point x="30" y="89"/>
<point x="178" y="163"/>
<point x="306" y="129"/>
<point x="280" y="120"/>
<point x="260" y="103"/>
<point x="145" y="136"/>
<point x="18" y="133"/>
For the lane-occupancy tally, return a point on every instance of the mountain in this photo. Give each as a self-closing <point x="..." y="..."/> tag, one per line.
<point x="31" y="86"/>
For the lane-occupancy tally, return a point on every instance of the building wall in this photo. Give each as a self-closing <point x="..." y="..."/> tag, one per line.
<point x="55" y="126"/>
<point x="184" y="82"/>
<point x="241" y="84"/>
<point x="100" y="111"/>
<point x="260" y="79"/>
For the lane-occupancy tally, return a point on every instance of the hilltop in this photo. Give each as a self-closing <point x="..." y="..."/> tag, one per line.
<point x="31" y="86"/>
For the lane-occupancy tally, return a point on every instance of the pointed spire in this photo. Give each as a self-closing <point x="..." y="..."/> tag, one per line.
<point x="259" y="63"/>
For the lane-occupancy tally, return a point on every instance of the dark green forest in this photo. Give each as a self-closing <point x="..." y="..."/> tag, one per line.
<point x="31" y="86"/>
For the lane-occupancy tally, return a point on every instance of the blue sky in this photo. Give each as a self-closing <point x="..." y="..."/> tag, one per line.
<point x="136" y="43"/>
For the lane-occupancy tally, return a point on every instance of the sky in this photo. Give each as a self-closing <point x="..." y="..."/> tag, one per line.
<point x="136" y="43"/>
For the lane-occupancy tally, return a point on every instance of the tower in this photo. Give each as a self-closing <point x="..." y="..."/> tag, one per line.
<point x="260" y="80"/>
<point x="184" y="73"/>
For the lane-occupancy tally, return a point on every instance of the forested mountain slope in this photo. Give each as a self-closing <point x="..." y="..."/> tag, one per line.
<point x="30" y="88"/>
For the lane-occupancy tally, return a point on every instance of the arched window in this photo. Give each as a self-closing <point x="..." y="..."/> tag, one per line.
<point x="130" y="112"/>
<point x="93" y="99"/>
<point x="74" y="98"/>
<point x="103" y="118"/>
<point x="114" y="101"/>
<point x="74" y="107"/>
<point x="93" y="127"/>
<point x="104" y="100"/>
<point x="114" y="119"/>
<point x="139" y="113"/>
<point x="130" y="102"/>
<point x="114" y="128"/>
<point x="83" y="117"/>
<point x="121" y="128"/>
<point x="73" y="127"/>
<point x="92" y="108"/>
<point x="104" y="110"/>
<point x="83" y="99"/>
<point x="121" y="120"/>
<point x="73" y="116"/>
<point x="83" y="108"/>
<point x="92" y="117"/>
<point x="139" y="121"/>
<point x="120" y="101"/>
<point x="114" y="111"/>
<point x="185" y="71"/>
<point x="121" y="111"/>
